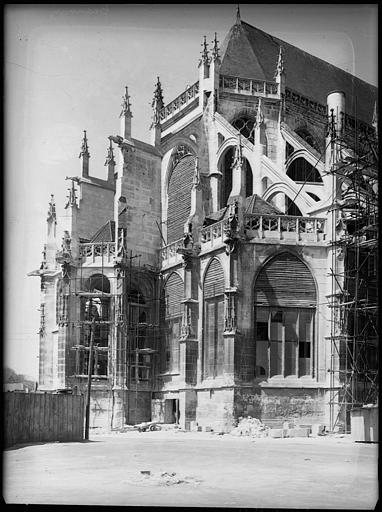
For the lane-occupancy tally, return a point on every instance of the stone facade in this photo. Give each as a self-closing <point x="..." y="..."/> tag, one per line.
<point x="232" y="319"/>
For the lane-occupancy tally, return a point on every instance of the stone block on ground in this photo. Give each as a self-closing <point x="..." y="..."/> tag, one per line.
<point x="276" y="432"/>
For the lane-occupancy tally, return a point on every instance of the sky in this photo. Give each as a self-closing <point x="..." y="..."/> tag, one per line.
<point x="65" y="69"/>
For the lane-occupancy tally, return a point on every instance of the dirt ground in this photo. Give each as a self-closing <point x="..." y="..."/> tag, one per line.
<point x="195" y="469"/>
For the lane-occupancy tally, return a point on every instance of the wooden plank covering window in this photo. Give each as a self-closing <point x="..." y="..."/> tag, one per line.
<point x="179" y="197"/>
<point x="213" y="320"/>
<point x="285" y="281"/>
<point x="214" y="280"/>
<point x="174" y="292"/>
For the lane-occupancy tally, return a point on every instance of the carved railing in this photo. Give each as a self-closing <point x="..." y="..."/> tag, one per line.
<point x="180" y="102"/>
<point x="248" y="86"/>
<point x="285" y="227"/>
<point x="214" y="234"/>
<point x="169" y="252"/>
<point x="103" y="250"/>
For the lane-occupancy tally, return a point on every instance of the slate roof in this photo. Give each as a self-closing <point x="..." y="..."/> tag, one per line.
<point x="105" y="233"/>
<point x="252" y="204"/>
<point x="248" y="52"/>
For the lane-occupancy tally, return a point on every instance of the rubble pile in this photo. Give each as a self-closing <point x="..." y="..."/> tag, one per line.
<point x="250" y="427"/>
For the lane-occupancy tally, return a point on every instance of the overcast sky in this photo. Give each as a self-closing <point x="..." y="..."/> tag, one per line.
<point x="66" y="67"/>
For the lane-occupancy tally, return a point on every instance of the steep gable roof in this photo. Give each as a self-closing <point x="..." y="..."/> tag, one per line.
<point x="304" y="73"/>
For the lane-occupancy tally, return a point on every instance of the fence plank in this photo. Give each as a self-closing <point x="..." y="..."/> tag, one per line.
<point x="42" y="417"/>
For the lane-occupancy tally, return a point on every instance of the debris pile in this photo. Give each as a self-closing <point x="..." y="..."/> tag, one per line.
<point x="250" y="427"/>
<point x="164" y="478"/>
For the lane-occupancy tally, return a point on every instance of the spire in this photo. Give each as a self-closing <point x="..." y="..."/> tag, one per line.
<point x="85" y="156"/>
<point x="110" y="162"/>
<point x="72" y="198"/>
<point x="84" y="147"/>
<point x="196" y="177"/>
<point x="52" y="210"/>
<point x="205" y="59"/>
<point x="110" y="155"/>
<point x="238" y="19"/>
<point x="280" y="62"/>
<point x="157" y="103"/>
<point x="126" y="104"/>
<point x="215" y="49"/>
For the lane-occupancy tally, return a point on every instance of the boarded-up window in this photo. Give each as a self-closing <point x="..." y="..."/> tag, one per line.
<point x="213" y="348"/>
<point x="179" y="197"/>
<point x="173" y="320"/>
<point x="285" y="300"/>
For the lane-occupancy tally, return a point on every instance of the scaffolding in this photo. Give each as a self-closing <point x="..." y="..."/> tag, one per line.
<point x="112" y="325"/>
<point x="353" y="300"/>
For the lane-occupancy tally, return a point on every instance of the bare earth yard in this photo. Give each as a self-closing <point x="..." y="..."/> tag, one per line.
<point x="199" y="469"/>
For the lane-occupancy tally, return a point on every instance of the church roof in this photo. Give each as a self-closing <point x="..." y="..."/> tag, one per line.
<point x="105" y="233"/>
<point x="248" y="52"/>
<point x="252" y="204"/>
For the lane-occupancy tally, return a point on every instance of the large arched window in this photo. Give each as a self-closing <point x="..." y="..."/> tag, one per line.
<point x="226" y="170"/>
<point x="179" y="191"/>
<point x="213" y="343"/>
<point x="174" y="293"/>
<point x="302" y="171"/>
<point x="285" y="305"/>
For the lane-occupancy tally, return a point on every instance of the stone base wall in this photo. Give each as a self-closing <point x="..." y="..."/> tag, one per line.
<point x="215" y="409"/>
<point x="275" y="404"/>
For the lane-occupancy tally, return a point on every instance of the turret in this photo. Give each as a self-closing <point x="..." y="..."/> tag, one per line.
<point x="126" y="116"/>
<point x="157" y="105"/>
<point x="85" y="155"/>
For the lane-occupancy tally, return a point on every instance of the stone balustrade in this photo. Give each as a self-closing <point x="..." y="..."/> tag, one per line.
<point x="96" y="252"/>
<point x="285" y="227"/>
<point x="268" y="227"/>
<point x="211" y="236"/>
<point x="248" y="86"/>
<point x="180" y="102"/>
<point x="169" y="253"/>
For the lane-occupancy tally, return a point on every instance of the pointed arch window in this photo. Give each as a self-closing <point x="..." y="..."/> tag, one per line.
<point x="213" y="343"/>
<point x="179" y="191"/>
<point x="173" y="310"/>
<point x="301" y="170"/>
<point x="285" y="307"/>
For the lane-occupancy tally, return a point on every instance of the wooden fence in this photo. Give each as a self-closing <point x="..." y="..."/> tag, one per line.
<point x="42" y="417"/>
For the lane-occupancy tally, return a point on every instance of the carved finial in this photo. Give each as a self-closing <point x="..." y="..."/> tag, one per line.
<point x="215" y="49"/>
<point x="84" y="147"/>
<point x="238" y="19"/>
<point x="238" y="158"/>
<point x="110" y="155"/>
<point x="72" y="198"/>
<point x="259" y="113"/>
<point x="157" y="103"/>
<point x="126" y="104"/>
<point x="196" y="177"/>
<point x="280" y="62"/>
<point x="52" y="210"/>
<point x="205" y="59"/>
